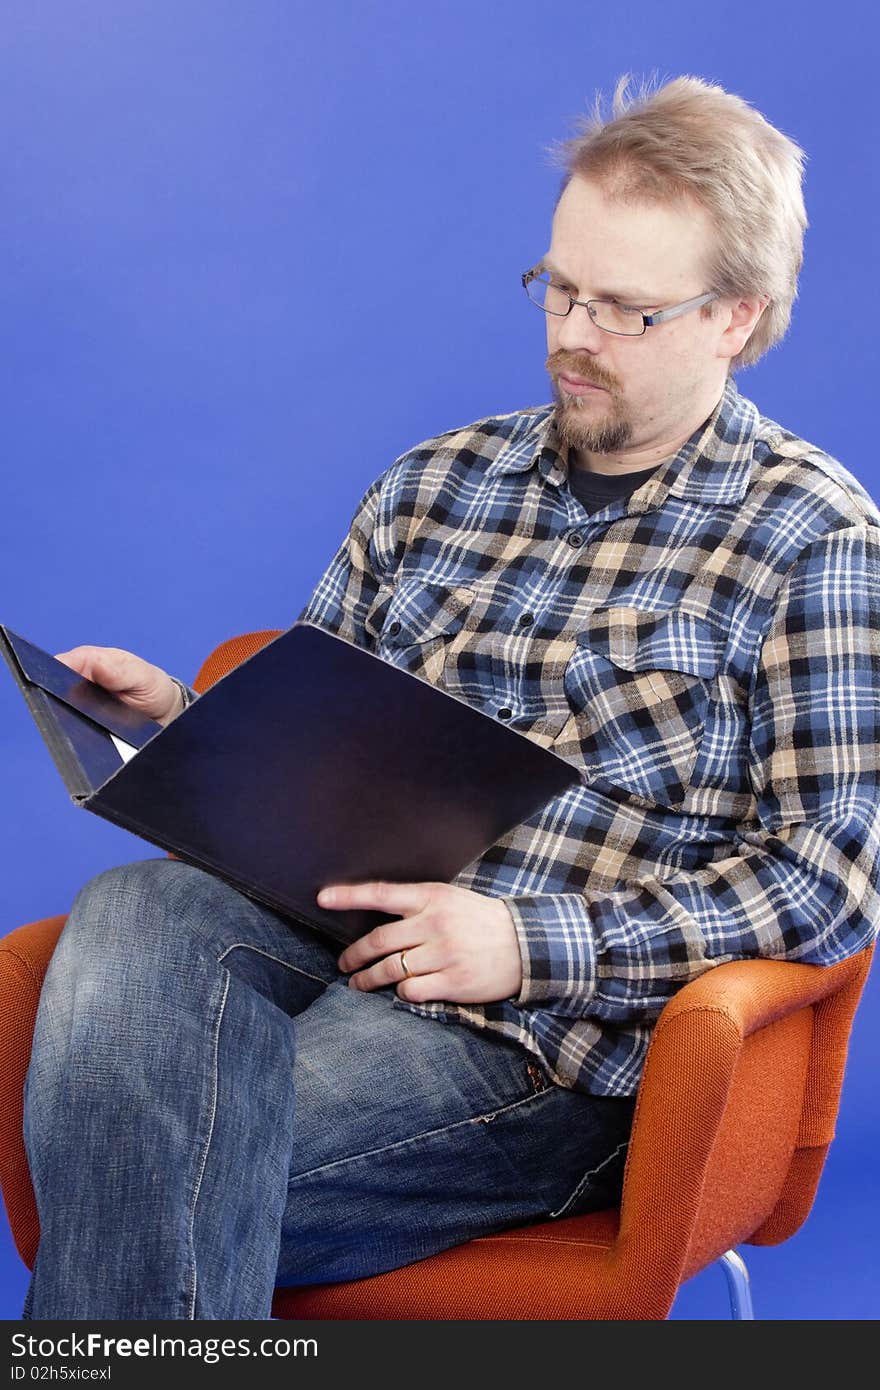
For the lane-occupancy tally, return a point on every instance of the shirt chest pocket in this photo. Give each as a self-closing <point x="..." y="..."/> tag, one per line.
<point x="416" y="621"/>
<point x="638" y="687"/>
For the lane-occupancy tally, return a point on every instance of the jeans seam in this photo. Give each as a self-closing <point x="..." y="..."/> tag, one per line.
<point x="207" y="1144"/>
<point x="584" y="1182"/>
<point x="415" y="1138"/>
<point x="246" y="946"/>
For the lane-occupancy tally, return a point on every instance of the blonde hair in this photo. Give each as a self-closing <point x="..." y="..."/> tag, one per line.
<point x="692" y="140"/>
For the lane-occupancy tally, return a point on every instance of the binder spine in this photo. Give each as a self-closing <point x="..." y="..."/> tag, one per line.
<point x="72" y="771"/>
<point x="62" y="750"/>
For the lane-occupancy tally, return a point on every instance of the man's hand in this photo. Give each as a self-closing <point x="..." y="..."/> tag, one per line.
<point x="146" y="688"/>
<point x="460" y="945"/>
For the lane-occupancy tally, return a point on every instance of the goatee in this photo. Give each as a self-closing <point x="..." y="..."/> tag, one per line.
<point x="605" y="432"/>
<point x="578" y="431"/>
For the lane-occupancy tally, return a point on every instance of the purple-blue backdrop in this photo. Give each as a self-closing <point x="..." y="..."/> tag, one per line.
<point x="251" y="252"/>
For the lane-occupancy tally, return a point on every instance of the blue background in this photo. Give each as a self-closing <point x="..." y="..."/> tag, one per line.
<point x="253" y="250"/>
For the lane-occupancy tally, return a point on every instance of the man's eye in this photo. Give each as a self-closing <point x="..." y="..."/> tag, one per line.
<point x="626" y="308"/>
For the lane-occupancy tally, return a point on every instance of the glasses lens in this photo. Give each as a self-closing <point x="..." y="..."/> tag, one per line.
<point x="617" y="318"/>
<point x="548" y="296"/>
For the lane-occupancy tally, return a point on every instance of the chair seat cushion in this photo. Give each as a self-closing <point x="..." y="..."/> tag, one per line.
<point x="550" y="1270"/>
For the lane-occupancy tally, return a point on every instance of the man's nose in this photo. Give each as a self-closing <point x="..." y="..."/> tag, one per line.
<point x="577" y="330"/>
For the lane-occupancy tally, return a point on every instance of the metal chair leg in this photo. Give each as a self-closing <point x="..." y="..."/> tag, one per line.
<point x="738" y="1286"/>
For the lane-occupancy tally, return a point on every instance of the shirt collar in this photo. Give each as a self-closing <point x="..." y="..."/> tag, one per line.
<point x="712" y="467"/>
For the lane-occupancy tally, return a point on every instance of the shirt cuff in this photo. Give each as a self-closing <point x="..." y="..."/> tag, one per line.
<point x="557" y="948"/>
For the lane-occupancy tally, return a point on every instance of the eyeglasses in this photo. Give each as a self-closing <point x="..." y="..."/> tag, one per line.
<point x="606" y="314"/>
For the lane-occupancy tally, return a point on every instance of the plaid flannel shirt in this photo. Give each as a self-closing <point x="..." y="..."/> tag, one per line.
<point x="706" y="651"/>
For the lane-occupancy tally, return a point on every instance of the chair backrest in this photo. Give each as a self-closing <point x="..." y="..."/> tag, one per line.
<point x="230" y="654"/>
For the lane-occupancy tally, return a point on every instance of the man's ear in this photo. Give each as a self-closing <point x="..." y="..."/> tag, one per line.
<point x="744" y="316"/>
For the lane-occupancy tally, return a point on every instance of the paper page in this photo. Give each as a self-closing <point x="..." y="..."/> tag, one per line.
<point x="125" y="750"/>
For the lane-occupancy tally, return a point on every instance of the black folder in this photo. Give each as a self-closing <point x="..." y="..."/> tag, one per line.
<point x="313" y="762"/>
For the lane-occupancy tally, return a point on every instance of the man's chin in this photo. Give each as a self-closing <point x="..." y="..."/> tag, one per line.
<point x="596" y="433"/>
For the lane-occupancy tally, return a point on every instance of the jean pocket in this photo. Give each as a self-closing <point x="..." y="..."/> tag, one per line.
<point x="639" y="687"/>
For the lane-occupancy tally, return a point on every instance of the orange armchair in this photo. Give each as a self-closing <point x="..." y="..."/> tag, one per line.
<point x="735" y="1112"/>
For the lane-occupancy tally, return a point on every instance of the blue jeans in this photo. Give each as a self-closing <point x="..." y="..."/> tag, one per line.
<point x="210" y="1112"/>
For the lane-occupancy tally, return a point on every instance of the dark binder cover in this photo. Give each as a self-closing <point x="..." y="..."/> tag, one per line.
<point x="313" y="762"/>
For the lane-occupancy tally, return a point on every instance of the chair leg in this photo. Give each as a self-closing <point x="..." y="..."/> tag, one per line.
<point x="738" y="1286"/>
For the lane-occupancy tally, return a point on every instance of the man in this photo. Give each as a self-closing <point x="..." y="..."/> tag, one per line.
<point x="647" y="576"/>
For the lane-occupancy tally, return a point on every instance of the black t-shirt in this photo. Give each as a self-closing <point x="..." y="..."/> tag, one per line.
<point x="595" y="490"/>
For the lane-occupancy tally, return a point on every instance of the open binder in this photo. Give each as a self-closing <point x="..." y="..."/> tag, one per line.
<point x="313" y="762"/>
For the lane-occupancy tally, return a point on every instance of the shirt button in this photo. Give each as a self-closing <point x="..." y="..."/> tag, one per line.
<point x="505" y="713"/>
<point x="526" y="619"/>
<point x="393" y="629"/>
<point x="575" y="538"/>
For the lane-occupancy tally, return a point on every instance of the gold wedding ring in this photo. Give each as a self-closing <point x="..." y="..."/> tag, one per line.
<point x="404" y="967"/>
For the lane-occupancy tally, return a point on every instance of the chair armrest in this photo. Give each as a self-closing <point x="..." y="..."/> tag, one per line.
<point x="756" y="992"/>
<point x="745" y="1065"/>
<point x="24" y="956"/>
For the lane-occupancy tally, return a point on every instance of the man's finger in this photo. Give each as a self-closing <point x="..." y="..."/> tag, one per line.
<point x="78" y="659"/>
<point x="95" y="666"/>
<point x="379" y="943"/>
<point x="399" y="898"/>
<point x="401" y="968"/>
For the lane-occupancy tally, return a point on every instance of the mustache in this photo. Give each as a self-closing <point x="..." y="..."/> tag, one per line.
<point x="563" y="364"/>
